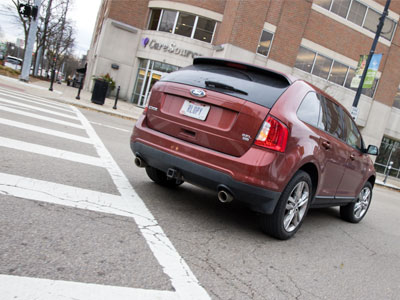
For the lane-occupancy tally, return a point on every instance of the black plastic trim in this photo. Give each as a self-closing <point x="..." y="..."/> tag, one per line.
<point x="258" y="199"/>
<point x="328" y="201"/>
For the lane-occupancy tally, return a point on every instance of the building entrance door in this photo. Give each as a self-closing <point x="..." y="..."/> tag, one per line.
<point x="151" y="78"/>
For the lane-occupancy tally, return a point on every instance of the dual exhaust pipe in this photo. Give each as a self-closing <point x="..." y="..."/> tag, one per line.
<point x="224" y="195"/>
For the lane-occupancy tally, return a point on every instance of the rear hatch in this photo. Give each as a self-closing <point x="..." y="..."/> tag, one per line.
<point x="215" y="103"/>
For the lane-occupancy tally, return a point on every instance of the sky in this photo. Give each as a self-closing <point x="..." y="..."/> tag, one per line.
<point x="83" y="13"/>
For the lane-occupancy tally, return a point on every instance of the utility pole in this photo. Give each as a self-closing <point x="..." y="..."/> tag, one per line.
<point x="371" y="53"/>
<point x="31" y="41"/>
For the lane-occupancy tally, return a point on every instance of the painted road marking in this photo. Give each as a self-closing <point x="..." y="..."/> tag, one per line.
<point x="61" y="194"/>
<point x="39" y="99"/>
<point x="47" y="131"/>
<point x="3" y="100"/>
<point x="35" y="116"/>
<point x="112" y="127"/>
<point x="182" y="278"/>
<point x="40" y="102"/>
<point x="128" y="204"/>
<point x="52" y="152"/>
<point x="45" y="289"/>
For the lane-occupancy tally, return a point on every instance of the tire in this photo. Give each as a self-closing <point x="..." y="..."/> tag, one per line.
<point x="356" y="211"/>
<point x="161" y="178"/>
<point x="291" y="208"/>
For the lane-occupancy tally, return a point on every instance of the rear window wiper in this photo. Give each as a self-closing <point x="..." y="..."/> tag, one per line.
<point x="223" y="86"/>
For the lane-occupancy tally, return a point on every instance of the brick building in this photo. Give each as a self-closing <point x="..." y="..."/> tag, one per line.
<point x="137" y="41"/>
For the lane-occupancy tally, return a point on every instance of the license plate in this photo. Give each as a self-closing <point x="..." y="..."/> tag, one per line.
<point x="195" y="110"/>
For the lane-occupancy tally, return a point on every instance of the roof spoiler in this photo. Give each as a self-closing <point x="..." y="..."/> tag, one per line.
<point x="240" y="66"/>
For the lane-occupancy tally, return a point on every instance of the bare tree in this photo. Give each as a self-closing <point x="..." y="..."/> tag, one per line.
<point x="11" y="10"/>
<point x="51" y="26"/>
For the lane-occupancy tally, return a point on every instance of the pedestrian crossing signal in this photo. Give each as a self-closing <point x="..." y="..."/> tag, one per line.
<point x="25" y="10"/>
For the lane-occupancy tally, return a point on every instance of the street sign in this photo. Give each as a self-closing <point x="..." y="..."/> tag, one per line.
<point x="354" y="112"/>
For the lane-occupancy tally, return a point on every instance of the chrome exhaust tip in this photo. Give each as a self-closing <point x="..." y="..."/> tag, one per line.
<point x="224" y="196"/>
<point x="139" y="162"/>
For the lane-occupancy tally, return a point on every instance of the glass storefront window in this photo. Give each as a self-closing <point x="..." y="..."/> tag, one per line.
<point x="389" y="151"/>
<point x="149" y="73"/>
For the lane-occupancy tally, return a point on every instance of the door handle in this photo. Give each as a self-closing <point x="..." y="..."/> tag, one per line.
<point x="352" y="156"/>
<point x="326" y="145"/>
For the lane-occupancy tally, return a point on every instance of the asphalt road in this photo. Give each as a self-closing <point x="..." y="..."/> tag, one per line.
<point x="79" y="221"/>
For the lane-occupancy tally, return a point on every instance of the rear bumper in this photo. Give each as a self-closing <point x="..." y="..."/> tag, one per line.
<point x="155" y="149"/>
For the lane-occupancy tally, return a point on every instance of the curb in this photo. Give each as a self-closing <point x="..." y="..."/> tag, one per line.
<point x="93" y="108"/>
<point x="389" y="186"/>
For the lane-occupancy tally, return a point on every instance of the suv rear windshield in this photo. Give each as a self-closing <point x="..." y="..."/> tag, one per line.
<point x="263" y="88"/>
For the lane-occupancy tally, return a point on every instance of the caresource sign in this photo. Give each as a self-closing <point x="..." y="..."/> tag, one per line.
<point x="170" y="48"/>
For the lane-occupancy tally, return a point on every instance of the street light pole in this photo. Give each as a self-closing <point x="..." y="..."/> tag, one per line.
<point x="371" y="53"/>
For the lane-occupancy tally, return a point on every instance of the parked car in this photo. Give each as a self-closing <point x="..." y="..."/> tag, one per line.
<point x="269" y="140"/>
<point x="13" y="62"/>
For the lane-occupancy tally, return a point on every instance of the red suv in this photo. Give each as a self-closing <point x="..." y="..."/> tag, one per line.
<point x="254" y="135"/>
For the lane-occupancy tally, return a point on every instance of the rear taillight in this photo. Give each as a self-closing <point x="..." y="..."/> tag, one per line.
<point x="273" y="135"/>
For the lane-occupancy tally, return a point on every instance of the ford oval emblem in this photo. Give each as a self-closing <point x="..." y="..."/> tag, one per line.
<point x="198" y="93"/>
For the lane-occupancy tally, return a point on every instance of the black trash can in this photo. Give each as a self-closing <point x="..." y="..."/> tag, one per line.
<point x="99" y="91"/>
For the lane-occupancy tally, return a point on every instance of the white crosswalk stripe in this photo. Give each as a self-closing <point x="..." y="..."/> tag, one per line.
<point x="127" y="204"/>
<point x="52" y="152"/>
<point x="45" y="131"/>
<point x="41" y="102"/>
<point x="35" y="116"/>
<point x="16" y="103"/>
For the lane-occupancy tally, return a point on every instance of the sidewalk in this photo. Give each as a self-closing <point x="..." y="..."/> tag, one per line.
<point x="67" y="94"/>
<point x="393" y="183"/>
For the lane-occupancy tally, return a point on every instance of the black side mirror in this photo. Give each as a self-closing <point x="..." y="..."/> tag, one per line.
<point x="372" y="150"/>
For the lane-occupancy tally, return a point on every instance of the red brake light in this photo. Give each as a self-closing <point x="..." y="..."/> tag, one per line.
<point x="273" y="135"/>
<point x="236" y="66"/>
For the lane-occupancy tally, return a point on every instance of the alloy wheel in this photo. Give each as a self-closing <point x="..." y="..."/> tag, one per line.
<point x="296" y="206"/>
<point x="361" y="206"/>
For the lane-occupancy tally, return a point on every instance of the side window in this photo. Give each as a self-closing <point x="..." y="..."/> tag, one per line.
<point x="310" y="110"/>
<point x="332" y="118"/>
<point x="353" y="136"/>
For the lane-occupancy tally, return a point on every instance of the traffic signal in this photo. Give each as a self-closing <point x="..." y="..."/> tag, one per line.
<point x="28" y="11"/>
<point x="34" y="12"/>
<point x="25" y="10"/>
